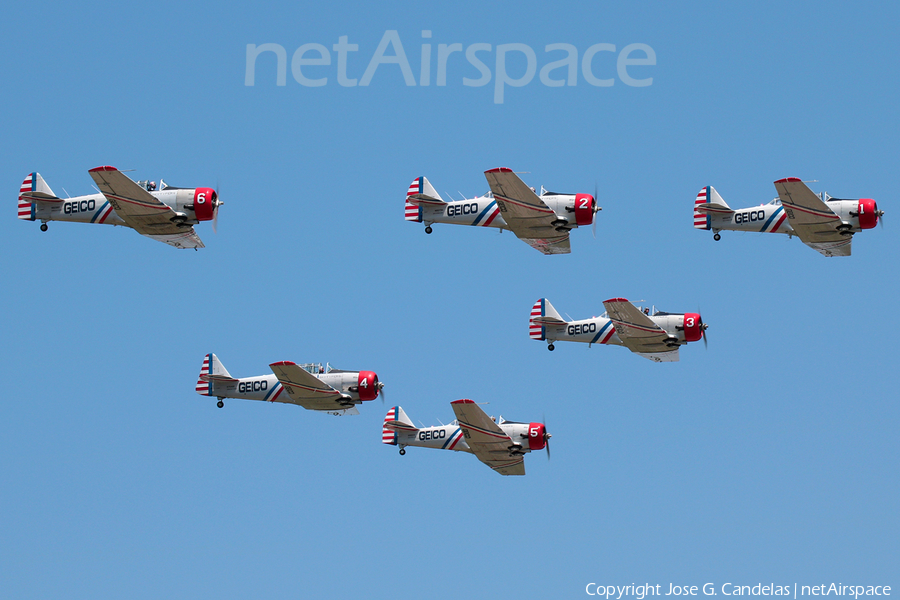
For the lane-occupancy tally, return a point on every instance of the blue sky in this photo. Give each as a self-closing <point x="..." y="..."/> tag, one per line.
<point x="770" y="457"/>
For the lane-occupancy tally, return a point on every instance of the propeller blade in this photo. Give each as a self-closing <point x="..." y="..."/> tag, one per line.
<point x="594" y="216"/>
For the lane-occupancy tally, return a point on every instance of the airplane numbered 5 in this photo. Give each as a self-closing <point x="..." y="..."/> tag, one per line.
<point x="656" y="336"/>
<point x="166" y="215"/>
<point x="499" y="444"/>
<point x="823" y="223"/>
<point x="312" y="386"/>
<point x="543" y="222"/>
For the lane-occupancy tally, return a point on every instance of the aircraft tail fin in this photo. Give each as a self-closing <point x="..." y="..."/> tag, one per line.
<point x="211" y="372"/>
<point x="420" y="192"/>
<point x="33" y="189"/>
<point x="542" y="314"/>
<point x="708" y="201"/>
<point x="395" y="420"/>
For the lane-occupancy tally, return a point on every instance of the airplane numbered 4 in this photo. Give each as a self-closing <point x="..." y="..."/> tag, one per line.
<point x="166" y="215"/>
<point x="543" y="222"/>
<point x="499" y="444"/>
<point x="656" y="336"/>
<point x="312" y="386"/>
<point x="823" y="223"/>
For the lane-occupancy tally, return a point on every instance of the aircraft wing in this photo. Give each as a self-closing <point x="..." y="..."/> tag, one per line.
<point x="141" y="211"/>
<point x="813" y="222"/>
<point x="525" y="213"/>
<point x="636" y="330"/>
<point x="488" y="442"/>
<point x="307" y="390"/>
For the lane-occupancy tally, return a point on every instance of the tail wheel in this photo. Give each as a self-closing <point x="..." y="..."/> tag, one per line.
<point x="551" y="347"/>
<point x="428" y="229"/>
<point x="220" y="404"/>
<point x="402" y="451"/>
<point x="717" y="237"/>
<point x="43" y="227"/>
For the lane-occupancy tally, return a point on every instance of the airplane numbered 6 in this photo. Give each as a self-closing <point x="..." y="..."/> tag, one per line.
<point x="823" y="223"/>
<point x="543" y="222"/>
<point x="167" y="215"/>
<point x="312" y="386"/>
<point x="655" y="336"/>
<point x="499" y="444"/>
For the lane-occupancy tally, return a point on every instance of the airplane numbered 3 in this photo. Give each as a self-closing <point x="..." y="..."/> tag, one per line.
<point x="499" y="444"/>
<point x="543" y="222"/>
<point x="823" y="223"/>
<point x="167" y="215"/>
<point x="312" y="386"/>
<point x="655" y="336"/>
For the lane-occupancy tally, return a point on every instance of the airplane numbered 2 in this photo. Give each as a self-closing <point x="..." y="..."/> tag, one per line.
<point x="167" y="215"/>
<point x="655" y="336"/>
<point x="823" y="223"/>
<point x="543" y="222"/>
<point x="499" y="444"/>
<point x="312" y="386"/>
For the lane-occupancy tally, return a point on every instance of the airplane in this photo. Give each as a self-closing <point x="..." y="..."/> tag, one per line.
<point x="656" y="336"/>
<point x="167" y="215"/>
<point x="499" y="444"/>
<point x="823" y="223"/>
<point x="312" y="386"/>
<point x="543" y="222"/>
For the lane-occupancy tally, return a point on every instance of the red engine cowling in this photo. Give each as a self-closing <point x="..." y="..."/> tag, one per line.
<point x="536" y="436"/>
<point x="868" y="213"/>
<point x="204" y="203"/>
<point x="584" y="209"/>
<point x="367" y="384"/>
<point x="693" y="328"/>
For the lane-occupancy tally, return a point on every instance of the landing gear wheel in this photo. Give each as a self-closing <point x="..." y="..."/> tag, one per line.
<point x="717" y="237"/>
<point x="845" y="233"/>
<point x="428" y="229"/>
<point x="43" y="227"/>
<point x="551" y="347"/>
<point x="220" y="404"/>
<point x="402" y="451"/>
<point x="844" y="227"/>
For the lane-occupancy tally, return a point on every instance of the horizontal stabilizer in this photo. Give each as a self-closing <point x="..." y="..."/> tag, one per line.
<point x="218" y="378"/>
<point x="714" y="208"/>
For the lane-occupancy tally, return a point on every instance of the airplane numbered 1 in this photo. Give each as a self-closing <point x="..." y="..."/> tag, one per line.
<point x="656" y="336"/>
<point x="823" y="223"/>
<point x="167" y="215"/>
<point x="312" y="386"/>
<point x="543" y="222"/>
<point x="500" y="444"/>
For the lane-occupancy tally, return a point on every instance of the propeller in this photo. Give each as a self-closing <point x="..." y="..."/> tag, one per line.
<point x="547" y="437"/>
<point x="880" y="215"/>
<point x="379" y="385"/>
<point x="594" y="216"/>
<point x="703" y="327"/>
<point x="216" y="204"/>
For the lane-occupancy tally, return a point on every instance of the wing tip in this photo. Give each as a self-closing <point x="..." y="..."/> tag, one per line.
<point x="615" y="300"/>
<point x="102" y="168"/>
<point x="790" y="179"/>
<point x="499" y="170"/>
<point x="283" y="363"/>
<point x="463" y="401"/>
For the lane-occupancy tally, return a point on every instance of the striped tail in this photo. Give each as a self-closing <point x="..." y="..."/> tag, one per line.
<point x="389" y="436"/>
<point x="33" y="189"/>
<point x="395" y="419"/>
<point x="211" y="366"/>
<point x="413" y="212"/>
<point x="535" y="330"/>
<point x="701" y="220"/>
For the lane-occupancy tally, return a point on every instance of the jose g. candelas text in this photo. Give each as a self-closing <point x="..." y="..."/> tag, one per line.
<point x="641" y="591"/>
<point x="313" y="65"/>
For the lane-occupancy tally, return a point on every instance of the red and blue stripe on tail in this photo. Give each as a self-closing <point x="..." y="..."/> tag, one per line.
<point x="702" y="220"/>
